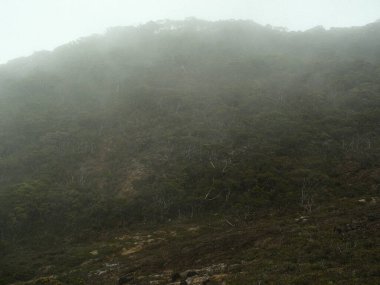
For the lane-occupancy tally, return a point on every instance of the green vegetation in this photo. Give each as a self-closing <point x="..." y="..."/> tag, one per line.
<point x="177" y="122"/>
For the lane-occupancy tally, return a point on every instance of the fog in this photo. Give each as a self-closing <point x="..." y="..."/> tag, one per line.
<point x="189" y="142"/>
<point x="29" y="26"/>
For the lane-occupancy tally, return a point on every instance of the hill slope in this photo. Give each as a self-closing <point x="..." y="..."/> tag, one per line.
<point x="183" y="121"/>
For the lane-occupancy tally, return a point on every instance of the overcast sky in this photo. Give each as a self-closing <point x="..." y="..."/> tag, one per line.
<point x="32" y="25"/>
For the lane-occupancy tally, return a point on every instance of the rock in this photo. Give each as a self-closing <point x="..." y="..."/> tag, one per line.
<point x="112" y="265"/>
<point x="132" y="250"/>
<point x="198" y="280"/>
<point x="100" y="272"/>
<point x="193" y="229"/>
<point x="124" y="237"/>
<point x="87" y="262"/>
<point x="234" y="267"/>
<point x="213" y="269"/>
<point x="362" y="201"/>
<point x="167" y="273"/>
<point x="157" y="276"/>
<point x="302" y="219"/>
<point x="218" y="277"/>
<point x="139" y="278"/>
<point x="94" y="252"/>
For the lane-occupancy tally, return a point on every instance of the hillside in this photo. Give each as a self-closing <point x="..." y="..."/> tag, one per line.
<point x="183" y="124"/>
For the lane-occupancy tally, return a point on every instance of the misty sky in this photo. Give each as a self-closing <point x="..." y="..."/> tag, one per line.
<point x="32" y="25"/>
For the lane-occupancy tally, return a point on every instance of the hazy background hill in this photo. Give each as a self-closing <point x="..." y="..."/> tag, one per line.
<point x="183" y="119"/>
